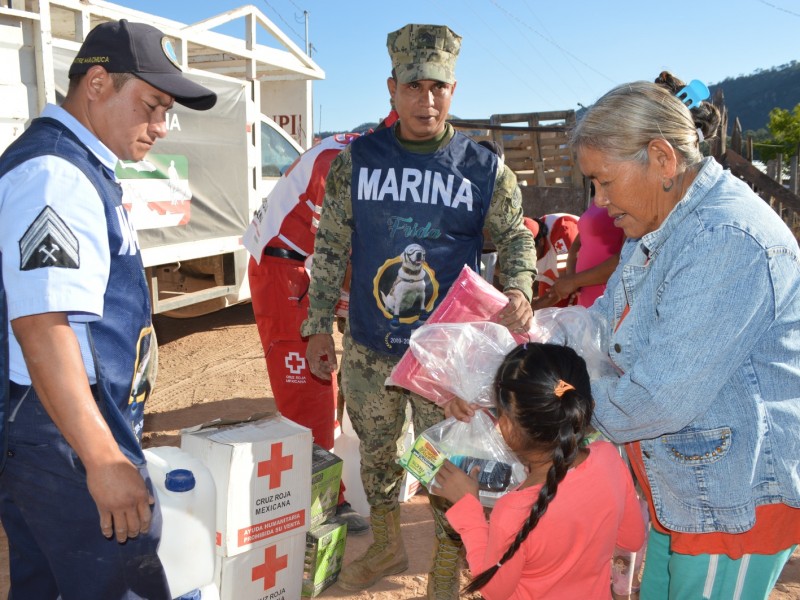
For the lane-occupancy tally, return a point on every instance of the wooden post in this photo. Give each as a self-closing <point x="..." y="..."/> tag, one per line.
<point x="736" y="136"/>
<point x="749" y="149"/>
<point x="771" y="164"/>
<point x="793" y="184"/>
<point x="719" y="145"/>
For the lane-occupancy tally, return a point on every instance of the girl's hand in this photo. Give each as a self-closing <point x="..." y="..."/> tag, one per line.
<point x="460" y="409"/>
<point x="453" y="484"/>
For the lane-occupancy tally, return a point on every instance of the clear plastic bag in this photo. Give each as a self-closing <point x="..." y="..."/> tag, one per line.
<point x="470" y="299"/>
<point x="447" y="360"/>
<point x="476" y="443"/>
<point x="581" y="330"/>
<point x="461" y="358"/>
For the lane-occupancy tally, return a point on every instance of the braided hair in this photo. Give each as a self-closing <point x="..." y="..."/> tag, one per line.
<point x="544" y="389"/>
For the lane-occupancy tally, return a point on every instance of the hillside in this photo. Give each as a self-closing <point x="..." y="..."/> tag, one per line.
<point x="748" y="97"/>
<point x="751" y="97"/>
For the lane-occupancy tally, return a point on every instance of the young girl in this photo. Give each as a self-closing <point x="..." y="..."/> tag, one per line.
<point x="554" y="536"/>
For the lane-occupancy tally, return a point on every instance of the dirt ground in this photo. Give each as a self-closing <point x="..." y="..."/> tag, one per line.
<point x="214" y="366"/>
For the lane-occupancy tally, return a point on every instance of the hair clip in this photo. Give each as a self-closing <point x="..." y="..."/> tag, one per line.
<point x="693" y="93"/>
<point x="561" y="387"/>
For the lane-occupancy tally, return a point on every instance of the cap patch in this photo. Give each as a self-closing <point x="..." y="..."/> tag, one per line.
<point x="426" y="39"/>
<point x="145" y="51"/>
<point x="48" y="242"/>
<point x="169" y="51"/>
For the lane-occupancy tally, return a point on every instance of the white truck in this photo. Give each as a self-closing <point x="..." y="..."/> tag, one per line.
<point x="193" y="196"/>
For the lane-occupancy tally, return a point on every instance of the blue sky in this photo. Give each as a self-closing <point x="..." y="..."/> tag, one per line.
<point x="520" y="55"/>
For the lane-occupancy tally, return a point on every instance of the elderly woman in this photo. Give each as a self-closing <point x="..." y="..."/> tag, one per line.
<point x="703" y="322"/>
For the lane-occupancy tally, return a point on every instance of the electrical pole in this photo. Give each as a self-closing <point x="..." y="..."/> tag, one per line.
<point x="308" y="44"/>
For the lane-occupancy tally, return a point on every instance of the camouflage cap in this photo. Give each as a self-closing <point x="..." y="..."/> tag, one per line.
<point x="424" y="52"/>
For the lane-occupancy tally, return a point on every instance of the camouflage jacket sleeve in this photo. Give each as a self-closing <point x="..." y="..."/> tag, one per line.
<point x="331" y="247"/>
<point x="516" y="255"/>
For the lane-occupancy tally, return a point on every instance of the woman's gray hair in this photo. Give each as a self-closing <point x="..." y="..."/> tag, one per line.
<point x="625" y="120"/>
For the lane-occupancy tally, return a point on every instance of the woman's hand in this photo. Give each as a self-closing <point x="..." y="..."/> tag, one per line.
<point x="564" y="286"/>
<point x="453" y="484"/>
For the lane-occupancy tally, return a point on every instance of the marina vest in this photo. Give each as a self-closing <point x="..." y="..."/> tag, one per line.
<point x="417" y="220"/>
<point x="121" y="339"/>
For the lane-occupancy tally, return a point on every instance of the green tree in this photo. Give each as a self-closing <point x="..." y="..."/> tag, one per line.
<point x="784" y="126"/>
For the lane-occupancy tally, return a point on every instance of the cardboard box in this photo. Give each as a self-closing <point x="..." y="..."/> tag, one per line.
<point x="325" y="547"/>
<point x="326" y="475"/>
<point x="270" y="572"/>
<point x="262" y="473"/>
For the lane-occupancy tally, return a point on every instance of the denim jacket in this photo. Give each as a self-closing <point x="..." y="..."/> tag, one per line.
<point x="710" y="356"/>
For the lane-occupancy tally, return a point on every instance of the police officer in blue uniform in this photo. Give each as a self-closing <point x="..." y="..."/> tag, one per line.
<point x="75" y="498"/>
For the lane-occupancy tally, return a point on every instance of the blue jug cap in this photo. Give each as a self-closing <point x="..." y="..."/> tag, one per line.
<point x="179" y="480"/>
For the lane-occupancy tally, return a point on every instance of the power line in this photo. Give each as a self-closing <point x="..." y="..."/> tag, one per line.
<point x="549" y="35"/>
<point x="516" y="22"/>
<point x="513" y="52"/>
<point x="293" y="3"/>
<point x="787" y="11"/>
<point x="273" y="9"/>
<point x="479" y="40"/>
<point x="548" y="40"/>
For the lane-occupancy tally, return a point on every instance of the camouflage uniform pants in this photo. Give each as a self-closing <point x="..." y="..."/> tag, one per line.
<point x="378" y="414"/>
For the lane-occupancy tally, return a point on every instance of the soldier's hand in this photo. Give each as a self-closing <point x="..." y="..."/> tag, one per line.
<point x="517" y="314"/>
<point x="321" y="355"/>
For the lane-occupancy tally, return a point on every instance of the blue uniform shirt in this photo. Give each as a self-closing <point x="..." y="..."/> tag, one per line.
<point x="24" y="192"/>
<point x="49" y="247"/>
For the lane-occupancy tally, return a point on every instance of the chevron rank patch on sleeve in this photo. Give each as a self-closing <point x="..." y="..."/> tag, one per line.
<point x="48" y="242"/>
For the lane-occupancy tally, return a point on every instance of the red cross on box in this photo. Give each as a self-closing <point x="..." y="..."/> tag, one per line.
<point x="275" y="466"/>
<point x="268" y="570"/>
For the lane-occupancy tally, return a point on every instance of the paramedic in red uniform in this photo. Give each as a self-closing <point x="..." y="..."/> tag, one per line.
<point x="553" y="235"/>
<point x="281" y="239"/>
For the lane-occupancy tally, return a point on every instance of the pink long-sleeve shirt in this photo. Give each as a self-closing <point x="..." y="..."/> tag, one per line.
<point x="568" y="555"/>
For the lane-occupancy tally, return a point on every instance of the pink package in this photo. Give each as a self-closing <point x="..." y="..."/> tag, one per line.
<point x="471" y="298"/>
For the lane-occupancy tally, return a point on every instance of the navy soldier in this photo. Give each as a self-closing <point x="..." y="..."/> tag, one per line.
<point x="411" y="203"/>
<point x="76" y="500"/>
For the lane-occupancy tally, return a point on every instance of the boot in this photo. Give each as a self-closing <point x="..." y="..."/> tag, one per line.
<point x="386" y="555"/>
<point x="444" y="579"/>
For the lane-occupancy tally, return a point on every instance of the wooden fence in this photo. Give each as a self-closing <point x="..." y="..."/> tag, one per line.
<point x="769" y="186"/>
<point x="536" y="148"/>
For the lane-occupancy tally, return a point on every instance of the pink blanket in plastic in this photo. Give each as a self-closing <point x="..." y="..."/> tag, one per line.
<point x="471" y="298"/>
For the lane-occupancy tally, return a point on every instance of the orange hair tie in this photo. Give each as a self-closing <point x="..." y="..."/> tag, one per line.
<point x="561" y="387"/>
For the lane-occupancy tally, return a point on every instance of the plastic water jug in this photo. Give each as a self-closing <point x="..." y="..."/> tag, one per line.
<point x="187" y="495"/>
<point x="207" y="592"/>
<point x="346" y="446"/>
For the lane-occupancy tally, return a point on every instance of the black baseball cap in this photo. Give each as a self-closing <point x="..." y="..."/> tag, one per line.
<point x="144" y="51"/>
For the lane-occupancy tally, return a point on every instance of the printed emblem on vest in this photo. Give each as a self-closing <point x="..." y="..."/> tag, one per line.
<point x="48" y="242"/>
<point x="145" y="368"/>
<point x="405" y="286"/>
